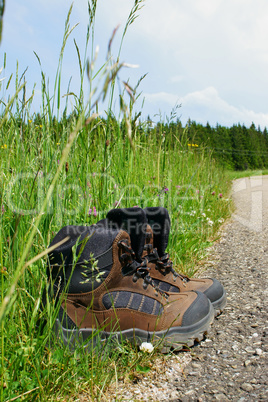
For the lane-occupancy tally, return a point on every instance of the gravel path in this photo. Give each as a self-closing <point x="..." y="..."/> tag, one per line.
<point x="231" y="364"/>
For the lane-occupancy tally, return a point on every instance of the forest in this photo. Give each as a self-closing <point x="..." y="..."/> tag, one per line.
<point x="236" y="148"/>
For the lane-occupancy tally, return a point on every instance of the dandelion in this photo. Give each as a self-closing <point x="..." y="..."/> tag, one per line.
<point x="220" y="195"/>
<point x="146" y="347"/>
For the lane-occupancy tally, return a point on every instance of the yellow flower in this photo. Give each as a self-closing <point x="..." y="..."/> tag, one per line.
<point x="4" y="146"/>
<point x="40" y="126"/>
<point x="58" y="143"/>
<point x="29" y="121"/>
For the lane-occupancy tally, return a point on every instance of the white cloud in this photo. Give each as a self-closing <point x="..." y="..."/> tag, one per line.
<point x="161" y="97"/>
<point x="218" y="46"/>
<point x="208" y="106"/>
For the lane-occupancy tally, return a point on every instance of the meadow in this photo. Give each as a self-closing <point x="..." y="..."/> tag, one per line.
<point x="59" y="168"/>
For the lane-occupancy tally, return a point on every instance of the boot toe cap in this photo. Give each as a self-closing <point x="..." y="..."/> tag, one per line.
<point x="215" y="291"/>
<point x="197" y="311"/>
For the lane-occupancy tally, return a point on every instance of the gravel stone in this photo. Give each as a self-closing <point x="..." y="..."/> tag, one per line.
<point x="231" y="364"/>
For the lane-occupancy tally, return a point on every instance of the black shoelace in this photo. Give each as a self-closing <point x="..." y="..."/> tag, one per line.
<point x="139" y="270"/>
<point x="163" y="264"/>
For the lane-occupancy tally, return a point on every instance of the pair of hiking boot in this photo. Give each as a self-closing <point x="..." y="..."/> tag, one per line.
<point x="115" y="280"/>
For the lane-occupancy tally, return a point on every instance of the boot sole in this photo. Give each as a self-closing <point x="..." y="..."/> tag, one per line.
<point x="174" y="338"/>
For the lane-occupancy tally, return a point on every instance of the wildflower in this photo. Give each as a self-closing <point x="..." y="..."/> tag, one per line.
<point x="220" y="195"/>
<point x="29" y="121"/>
<point x="221" y="220"/>
<point x="116" y="203"/>
<point x="94" y="211"/>
<point x="89" y="211"/>
<point x="165" y="189"/>
<point x="178" y="186"/>
<point x="203" y="214"/>
<point x="213" y="193"/>
<point x="4" y="146"/>
<point x="94" y="174"/>
<point x="192" y="213"/>
<point x="3" y="209"/>
<point x="210" y="222"/>
<point x="146" y="347"/>
<point x="197" y="191"/>
<point x="58" y="143"/>
<point x="58" y="161"/>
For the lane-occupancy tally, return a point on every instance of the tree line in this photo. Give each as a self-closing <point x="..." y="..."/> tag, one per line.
<point x="237" y="147"/>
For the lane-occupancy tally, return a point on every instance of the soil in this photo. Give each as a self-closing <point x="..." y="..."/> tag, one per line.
<point x="231" y="363"/>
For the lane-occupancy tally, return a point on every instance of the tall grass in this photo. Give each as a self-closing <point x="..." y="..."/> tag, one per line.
<point x="59" y="169"/>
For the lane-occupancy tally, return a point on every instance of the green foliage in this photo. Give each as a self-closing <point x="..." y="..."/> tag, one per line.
<point x="2" y="9"/>
<point x="236" y="148"/>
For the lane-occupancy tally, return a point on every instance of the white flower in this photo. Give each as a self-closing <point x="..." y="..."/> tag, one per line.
<point x="203" y="214"/>
<point x="210" y="223"/>
<point x="146" y="347"/>
<point x="221" y="220"/>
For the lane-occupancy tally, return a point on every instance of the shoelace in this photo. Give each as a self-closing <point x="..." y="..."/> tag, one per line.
<point x="163" y="264"/>
<point x="139" y="270"/>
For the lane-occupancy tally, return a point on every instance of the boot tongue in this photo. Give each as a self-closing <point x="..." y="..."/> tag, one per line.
<point x="134" y="221"/>
<point x="158" y="219"/>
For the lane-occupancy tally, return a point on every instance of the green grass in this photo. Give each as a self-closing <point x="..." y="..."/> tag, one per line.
<point x="72" y="170"/>
<point x="246" y="173"/>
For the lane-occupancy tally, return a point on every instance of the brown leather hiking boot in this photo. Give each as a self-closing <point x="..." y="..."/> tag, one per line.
<point x="161" y="269"/>
<point x="102" y="289"/>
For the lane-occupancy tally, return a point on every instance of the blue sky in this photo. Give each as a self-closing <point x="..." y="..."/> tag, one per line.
<point x="210" y="56"/>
